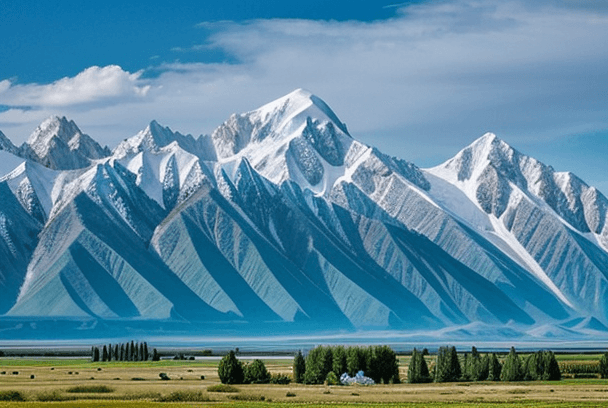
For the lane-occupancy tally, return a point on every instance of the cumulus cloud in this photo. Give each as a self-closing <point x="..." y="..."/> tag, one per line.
<point x="92" y="86"/>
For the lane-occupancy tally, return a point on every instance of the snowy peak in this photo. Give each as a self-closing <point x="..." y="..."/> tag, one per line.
<point x="60" y="145"/>
<point x="491" y="172"/>
<point x="155" y="137"/>
<point x="303" y="104"/>
<point x="278" y="121"/>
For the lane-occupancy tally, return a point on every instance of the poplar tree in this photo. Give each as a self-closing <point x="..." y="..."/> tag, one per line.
<point x="339" y="365"/>
<point x="418" y="371"/>
<point x="299" y="367"/>
<point x="512" y="369"/>
<point x="447" y="368"/>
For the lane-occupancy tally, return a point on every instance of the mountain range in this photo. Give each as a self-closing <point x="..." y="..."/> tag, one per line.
<point x="281" y="222"/>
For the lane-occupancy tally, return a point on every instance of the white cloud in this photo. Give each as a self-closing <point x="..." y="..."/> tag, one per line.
<point x="441" y="71"/>
<point x="94" y="85"/>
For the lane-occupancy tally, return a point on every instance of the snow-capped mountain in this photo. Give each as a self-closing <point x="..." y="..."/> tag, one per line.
<point x="281" y="220"/>
<point x="60" y="145"/>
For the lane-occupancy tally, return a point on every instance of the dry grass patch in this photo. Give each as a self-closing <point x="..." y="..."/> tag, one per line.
<point x="90" y="389"/>
<point x="222" y="388"/>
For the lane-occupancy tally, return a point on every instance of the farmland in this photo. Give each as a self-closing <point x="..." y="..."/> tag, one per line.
<point x="55" y="382"/>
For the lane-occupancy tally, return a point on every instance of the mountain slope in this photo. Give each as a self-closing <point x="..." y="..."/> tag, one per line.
<point x="280" y="219"/>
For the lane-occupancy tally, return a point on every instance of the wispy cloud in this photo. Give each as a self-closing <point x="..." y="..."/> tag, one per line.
<point x="441" y="71"/>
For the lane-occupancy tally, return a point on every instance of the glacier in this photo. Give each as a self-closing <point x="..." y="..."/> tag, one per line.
<point x="281" y="222"/>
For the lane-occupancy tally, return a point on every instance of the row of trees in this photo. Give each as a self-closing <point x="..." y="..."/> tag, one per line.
<point x="377" y="362"/>
<point x="130" y="351"/>
<point x="541" y="365"/>
<point x="232" y="371"/>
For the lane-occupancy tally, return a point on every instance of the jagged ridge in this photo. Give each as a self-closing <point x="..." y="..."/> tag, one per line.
<point x="281" y="217"/>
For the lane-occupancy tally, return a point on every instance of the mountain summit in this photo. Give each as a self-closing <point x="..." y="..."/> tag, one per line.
<point x="280" y="221"/>
<point x="60" y="145"/>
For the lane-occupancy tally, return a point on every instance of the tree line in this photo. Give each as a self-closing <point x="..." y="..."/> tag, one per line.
<point x="233" y="371"/>
<point x="129" y="351"/>
<point x="323" y="363"/>
<point x="448" y="367"/>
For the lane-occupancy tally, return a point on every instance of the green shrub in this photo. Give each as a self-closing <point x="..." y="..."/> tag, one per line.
<point x="230" y="370"/>
<point x="222" y="388"/>
<point x="93" y="389"/>
<point x="280" y="379"/>
<point x="54" y="396"/>
<point x="11" y="396"/>
<point x="332" y="379"/>
<point x="290" y="394"/>
<point x="256" y="373"/>
<point x="185" y="396"/>
<point x="247" y="397"/>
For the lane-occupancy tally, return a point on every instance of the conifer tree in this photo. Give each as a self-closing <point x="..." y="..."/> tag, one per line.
<point x="541" y="365"/>
<point x="146" y="356"/>
<point x="473" y="367"/>
<point x="116" y="352"/>
<point x="123" y="352"/>
<point x="385" y="365"/>
<point x="512" y="368"/>
<point x="494" y="368"/>
<point x="484" y="368"/>
<point x="104" y="354"/>
<point x="299" y="367"/>
<point x="552" y="371"/>
<point x="418" y="371"/>
<point x="230" y="370"/>
<point x="447" y="368"/>
<point x="95" y="356"/>
<point x="466" y="368"/>
<point x="132" y="351"/>
<point x="371" y="362"/>
<point x="339" y="365"/>
<point x="355" y="360"/>
<point x="318" y="365"/>
<point x="155" y="355"/>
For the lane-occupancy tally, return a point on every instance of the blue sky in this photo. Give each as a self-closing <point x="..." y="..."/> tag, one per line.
<point x="420" y="80"/>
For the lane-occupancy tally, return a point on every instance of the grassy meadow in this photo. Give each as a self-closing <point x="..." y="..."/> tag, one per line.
<point x="78" y="383"/>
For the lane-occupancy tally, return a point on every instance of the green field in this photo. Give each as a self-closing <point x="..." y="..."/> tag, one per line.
<point x="77" y="383"/>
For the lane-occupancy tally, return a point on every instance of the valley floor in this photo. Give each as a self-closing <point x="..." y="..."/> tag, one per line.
<point x="50" y="383"/>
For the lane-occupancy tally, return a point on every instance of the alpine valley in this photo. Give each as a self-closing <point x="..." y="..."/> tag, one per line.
<point x="279" y="222"/>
